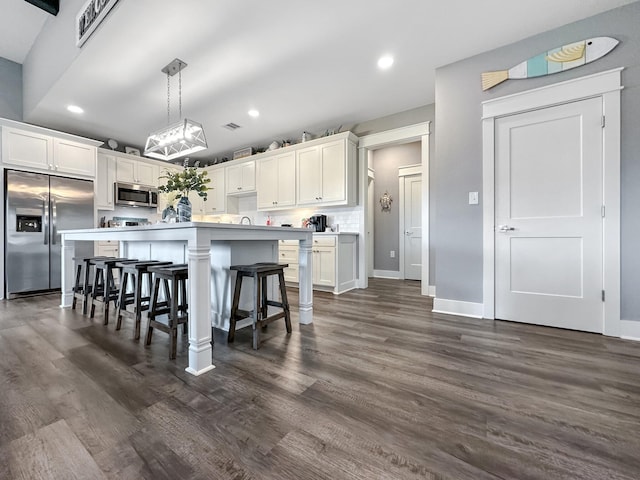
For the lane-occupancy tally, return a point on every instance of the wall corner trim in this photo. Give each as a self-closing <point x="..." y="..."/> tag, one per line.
<point x="457" y="307"/>
<point x="630" y="330"/>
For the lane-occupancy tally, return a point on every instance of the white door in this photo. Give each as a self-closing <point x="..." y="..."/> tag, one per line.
<point x="412" y="227"/>
<point x="549" y="198"/>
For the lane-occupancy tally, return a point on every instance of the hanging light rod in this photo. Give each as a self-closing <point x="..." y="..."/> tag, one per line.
<point x="178" y="139"/>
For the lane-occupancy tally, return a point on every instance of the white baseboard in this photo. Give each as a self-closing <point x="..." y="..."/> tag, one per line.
<point x="457" y="307"/>
<point x="630" y="330"/>
<point x="432" y="291"/>
<point x="386" y="274"/>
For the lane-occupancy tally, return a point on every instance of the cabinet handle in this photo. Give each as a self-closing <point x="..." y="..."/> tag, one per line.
<point x="239" y="188"/>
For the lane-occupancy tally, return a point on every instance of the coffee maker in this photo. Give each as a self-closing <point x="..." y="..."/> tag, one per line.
<point x="319" y="222"/>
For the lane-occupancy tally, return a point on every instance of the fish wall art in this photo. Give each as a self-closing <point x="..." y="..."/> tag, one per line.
<point x="555" y="60"/>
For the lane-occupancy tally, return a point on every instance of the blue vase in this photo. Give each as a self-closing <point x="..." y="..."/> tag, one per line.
<point x="184" y="209"/>
<point x="169" y="214"/>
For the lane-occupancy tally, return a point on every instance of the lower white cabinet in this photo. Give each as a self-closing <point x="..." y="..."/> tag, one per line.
<point x="334" y="261"/>
<point x="288" y="253"/>
<point x="107" y="248"/>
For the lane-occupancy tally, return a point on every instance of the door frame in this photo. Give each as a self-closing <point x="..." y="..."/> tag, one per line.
<point x="403" y="173"/>
<point x="366" y="145"/>
<point x="606" y="85"/>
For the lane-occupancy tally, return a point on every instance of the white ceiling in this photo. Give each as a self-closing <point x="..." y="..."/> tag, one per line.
<point x="303" y="65"/>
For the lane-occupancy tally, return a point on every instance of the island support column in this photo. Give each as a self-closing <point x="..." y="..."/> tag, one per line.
<point x="305" y="271"/>
<point x="200" y="351"/>
<point x="67" y="280"/>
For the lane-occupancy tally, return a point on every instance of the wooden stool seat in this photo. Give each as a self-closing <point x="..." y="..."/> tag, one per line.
<point x="175" y="306"/>
<point x="82" y="286"/>
<point x="104" y="288"/>
<point x="260" y="272"/>
<point x="132" y="303"/>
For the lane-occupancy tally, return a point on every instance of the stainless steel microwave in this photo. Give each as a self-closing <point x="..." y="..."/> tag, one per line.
<point x="136" y="195"/>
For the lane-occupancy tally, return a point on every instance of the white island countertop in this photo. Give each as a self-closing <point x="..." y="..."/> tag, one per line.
<point x="209" y="249"/>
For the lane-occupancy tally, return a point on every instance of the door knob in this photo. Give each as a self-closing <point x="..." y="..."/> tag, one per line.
<point x="408" y="233"/>
<point x="506" y="228"/>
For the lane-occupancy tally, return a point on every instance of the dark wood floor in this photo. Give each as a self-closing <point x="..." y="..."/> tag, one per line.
<point x="377" y="388"/>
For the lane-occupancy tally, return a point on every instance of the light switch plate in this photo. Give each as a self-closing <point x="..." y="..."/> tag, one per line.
<point x="473" y="198"/>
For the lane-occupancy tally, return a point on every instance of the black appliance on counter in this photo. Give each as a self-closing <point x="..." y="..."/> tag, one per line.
<point x="319" y="222"/>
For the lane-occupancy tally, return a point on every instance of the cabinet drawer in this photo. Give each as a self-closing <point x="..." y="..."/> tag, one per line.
<point x="293" y="243"/>
<point x="288" y="255"/>
<point x="329" y="241"/>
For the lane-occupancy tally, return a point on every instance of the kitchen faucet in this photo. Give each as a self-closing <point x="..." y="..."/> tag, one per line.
<point x="242" y="220"/>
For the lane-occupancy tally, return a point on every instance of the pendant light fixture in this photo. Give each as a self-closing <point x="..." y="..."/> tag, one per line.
<point x="178" y="139"/>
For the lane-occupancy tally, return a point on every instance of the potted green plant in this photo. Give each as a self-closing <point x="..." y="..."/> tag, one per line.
<point x="190" y="179"/>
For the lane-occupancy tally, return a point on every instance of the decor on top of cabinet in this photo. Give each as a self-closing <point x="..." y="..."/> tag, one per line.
<point x="385" y="202"/>
<point x="181" y="138"/>
<point x="181" y="183"/>
<point x="555" y="60"/>
<point x="245" y="152"/>
<point x="132" y="151"/>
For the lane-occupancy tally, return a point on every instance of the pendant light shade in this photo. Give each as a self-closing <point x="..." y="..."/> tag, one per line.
<point x="178" y="139"/>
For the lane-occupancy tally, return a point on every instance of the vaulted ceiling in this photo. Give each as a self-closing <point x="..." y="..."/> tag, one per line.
<point x="302" y="65"/>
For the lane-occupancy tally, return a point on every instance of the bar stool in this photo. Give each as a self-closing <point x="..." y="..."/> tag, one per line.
<point x="105" y="289"/>
<point x="132" y="304"/>
<point x="260" y="273"/>
<point x="82" y="287"/>
<point x="174" y="278"/>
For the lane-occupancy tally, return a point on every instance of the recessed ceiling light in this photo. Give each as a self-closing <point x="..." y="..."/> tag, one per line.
<point x="253" y="113"/>
<point x="75" y="109"/>
<point x="385" y="62"/>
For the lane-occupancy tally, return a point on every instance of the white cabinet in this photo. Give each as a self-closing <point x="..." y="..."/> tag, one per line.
<point x="130" y="170"/>
<point x="334" y="261"/>
<point x="324" y="261"/>
<point x="216" y="196"/>
<point x="26" y="149"/>
<point x="276" y="182"/>
<point x="74" y="158"/>
<point x="105" y="179"/>
<point x="41" y="152"/>
<point x="107" y="248"/>
<point x="241" y="178"/>
<point x="288" y="253"/>
<point x="326" y="173"/>
<point x="162" y="197"/>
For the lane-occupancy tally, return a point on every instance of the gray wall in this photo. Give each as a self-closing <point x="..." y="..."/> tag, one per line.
<point x="10" y="89"/>
<point x="426" y="113"/>
<point x="457" y="169"/>
<point x="386" y="233"/>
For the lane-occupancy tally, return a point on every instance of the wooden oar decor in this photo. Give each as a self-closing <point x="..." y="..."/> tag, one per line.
<point x="553" y="61"/>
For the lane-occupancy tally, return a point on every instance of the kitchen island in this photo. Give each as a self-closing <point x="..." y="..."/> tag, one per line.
<point x="209" y="249"/>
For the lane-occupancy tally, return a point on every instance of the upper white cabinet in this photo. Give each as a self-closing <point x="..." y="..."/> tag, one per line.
<point x="162" y="197"/>
<point x="26" y="149"/>
<point x="35" y="150"/>
<point x="129" y="170"/>
<point x="105" y="178"/>
<point x="74" y="158"/>
<point x="241" y="178"/>
<point x="326" y="173"/>
<point x="276" y="181"/>
<point x="216" y="196"/>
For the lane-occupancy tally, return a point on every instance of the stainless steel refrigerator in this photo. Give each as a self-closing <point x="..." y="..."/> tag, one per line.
<point x="37" y="207"/>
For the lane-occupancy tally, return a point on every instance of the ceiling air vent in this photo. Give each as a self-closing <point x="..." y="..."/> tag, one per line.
<point x="231" y="126"/>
